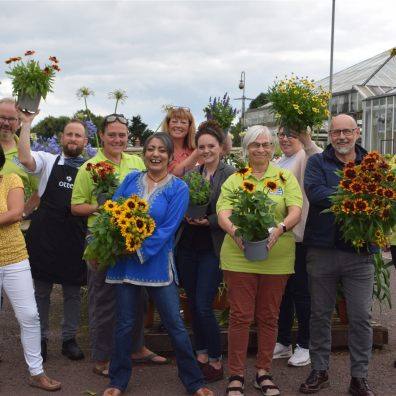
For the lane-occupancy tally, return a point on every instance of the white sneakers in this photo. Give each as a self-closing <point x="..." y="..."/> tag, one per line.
<point x="281" y="351"/>
<point x="299" y="358"/>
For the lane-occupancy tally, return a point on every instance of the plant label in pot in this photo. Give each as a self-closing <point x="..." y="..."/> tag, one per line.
<point x="256" y="250"/>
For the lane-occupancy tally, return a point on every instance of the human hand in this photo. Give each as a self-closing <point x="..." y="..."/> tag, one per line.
<point x="25" y="116"/>
<point x="275" y="233"/>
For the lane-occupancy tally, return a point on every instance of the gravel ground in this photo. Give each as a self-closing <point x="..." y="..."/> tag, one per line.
<point x="77" y="377"/>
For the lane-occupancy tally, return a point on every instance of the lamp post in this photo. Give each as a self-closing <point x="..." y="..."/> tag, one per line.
<point x="242" y="86"/>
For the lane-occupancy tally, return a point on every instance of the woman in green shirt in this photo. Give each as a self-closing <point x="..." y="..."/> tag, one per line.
<point x="255" y="288"/>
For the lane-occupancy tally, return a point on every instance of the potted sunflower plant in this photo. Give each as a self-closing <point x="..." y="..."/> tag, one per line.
<point x="298" y="104"/>
<point x="252" y="214"/>
<point x="30" y="81"/>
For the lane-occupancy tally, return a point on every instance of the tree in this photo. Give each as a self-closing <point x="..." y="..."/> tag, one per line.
<point x="50" y="126"/>
<point x="260" y="100"/>
<point x="138" y="129"/>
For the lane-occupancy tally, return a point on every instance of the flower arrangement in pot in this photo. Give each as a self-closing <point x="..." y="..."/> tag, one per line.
<point x="219" y="109"/>
<point x="299" y="104"/>
<point x="364" y="206"/>
<point x="252" y="214"/>
<point x="200" y="190"/>
<point x="30" y="81"/>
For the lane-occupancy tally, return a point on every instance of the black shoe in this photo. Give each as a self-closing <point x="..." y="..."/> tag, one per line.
<point x="316" y="380"/>
<point x="71" y="350"/>
<point x="360" y="387"/>
<point x="44" y="350"/>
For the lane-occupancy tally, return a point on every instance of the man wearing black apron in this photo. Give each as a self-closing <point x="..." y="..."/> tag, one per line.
<point x="55" y="239"/>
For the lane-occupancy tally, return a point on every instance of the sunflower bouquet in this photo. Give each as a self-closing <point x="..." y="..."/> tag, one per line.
<point x="252" y="211"/>
<point x="298" y="103"/>
<point x="119" y="229"/>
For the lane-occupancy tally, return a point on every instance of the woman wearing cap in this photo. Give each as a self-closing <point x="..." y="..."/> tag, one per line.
<point x="114" y="137"/>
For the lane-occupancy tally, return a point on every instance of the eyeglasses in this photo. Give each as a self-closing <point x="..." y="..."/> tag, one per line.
<point x="256" y="145"/>
<point x="11" y="120"/>
<point x="283" y="136"/>
<point x="175" y="108"/>
<point x="345" y="132"/>
<point x="115" y="117"/>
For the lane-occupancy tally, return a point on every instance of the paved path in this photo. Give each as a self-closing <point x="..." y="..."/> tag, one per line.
<point x="78" y="379"/>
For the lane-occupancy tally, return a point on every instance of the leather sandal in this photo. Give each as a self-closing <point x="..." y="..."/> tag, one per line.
<point x="112" y="392"/>
<point x="43" y="382"/>
<point x="235" y="388"/>
<point x="265" y="388"/>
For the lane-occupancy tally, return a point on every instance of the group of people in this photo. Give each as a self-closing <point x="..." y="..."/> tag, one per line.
<point x="307" y="258"/>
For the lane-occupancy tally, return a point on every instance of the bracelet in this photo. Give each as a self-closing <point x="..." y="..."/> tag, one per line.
<point x="283" y="227"/>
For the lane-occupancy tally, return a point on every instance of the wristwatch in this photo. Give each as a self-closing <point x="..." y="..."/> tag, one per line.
<point x="283" y="227"/>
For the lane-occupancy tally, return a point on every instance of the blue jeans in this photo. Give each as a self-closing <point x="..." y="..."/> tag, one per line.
<point x="166" y="300"/>
<point x="200" y="276"/>
<point x="296" y="299"/>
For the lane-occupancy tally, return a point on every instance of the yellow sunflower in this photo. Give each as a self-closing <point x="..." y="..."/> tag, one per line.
<point x="109" y="205"/>
<point x="272" y="185"/>
<point x="248" y="186"/>
<point x="246" y="171"/>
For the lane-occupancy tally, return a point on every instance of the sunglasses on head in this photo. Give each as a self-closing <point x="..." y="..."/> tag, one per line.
<point x="115" y="117"/>
<point x="180" y="108"/>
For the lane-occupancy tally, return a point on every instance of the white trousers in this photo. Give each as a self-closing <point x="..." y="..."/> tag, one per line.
<point x="16" y="280"/>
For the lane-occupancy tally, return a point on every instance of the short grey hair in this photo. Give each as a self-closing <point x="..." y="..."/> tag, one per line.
<point x="7" y="100"/>
<point x="252" y="134"/>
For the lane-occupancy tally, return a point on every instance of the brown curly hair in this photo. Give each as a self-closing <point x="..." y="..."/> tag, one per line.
<point x="212" y="128"/>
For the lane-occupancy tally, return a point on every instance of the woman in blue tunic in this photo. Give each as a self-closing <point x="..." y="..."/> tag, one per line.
<point x="153" y="267"/>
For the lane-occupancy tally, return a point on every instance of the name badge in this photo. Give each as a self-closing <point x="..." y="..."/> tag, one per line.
<point x="279" y="191"/>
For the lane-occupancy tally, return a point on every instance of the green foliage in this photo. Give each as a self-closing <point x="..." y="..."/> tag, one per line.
<point x="50" y="126"/>
<point x="298" y="103"/>
<point x="28" y="78"/>
<point x="138" y="129"/>
<point x="199" y="188"/>
<point x="220" y="110"/>
<point x="260" y="100"/>
<point x="381" y="280"/>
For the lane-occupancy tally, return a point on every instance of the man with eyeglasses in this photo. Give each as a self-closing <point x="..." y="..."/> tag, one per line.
<point x="331" y="260"/>
<point x="55" y="238"/>
<point x="101" y="295"/>
<point x="9" y="124"/>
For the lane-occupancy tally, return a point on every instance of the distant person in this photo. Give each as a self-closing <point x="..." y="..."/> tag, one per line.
<point x="55" y="238"/>
<point x="16" y="279"/>
<point x="330" y="260"/>
<point x="296" y="149"/>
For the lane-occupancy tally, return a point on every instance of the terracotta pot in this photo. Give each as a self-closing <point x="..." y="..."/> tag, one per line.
<point x="256" y="250"/>
<point x="342" y="312"/>
<point x="221" y="301"/>
<point x="149" y="318"/>
<point x="25" y="102"/>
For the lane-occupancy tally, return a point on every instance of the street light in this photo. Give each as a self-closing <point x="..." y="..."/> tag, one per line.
<point x="243" y="98"/>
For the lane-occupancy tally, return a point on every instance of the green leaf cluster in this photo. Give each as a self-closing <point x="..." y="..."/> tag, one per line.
<point x="252" y="214"/>
<point x="219" y="109"/>
<point x="199" y="187"/>
<point x="30" y="79"/>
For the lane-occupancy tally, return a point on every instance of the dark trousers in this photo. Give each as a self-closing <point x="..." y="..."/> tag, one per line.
<point x="296" y="299"/>
<point x="393" y="253"/>
<point x="200" y="276"/>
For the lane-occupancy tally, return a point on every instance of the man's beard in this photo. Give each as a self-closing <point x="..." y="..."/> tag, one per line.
<point x="6" y="135"/>
<point x="73" y="152"/>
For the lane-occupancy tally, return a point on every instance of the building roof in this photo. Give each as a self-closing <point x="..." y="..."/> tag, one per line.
<point x="379" y="71"/>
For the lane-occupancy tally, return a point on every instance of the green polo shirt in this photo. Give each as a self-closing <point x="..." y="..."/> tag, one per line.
<point x="11" y="165"/>
<point x="83" y="184"/>
<point x="281" y="258"/>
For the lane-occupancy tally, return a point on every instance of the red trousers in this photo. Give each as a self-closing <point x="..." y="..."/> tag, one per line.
<point x="253" y="296"/>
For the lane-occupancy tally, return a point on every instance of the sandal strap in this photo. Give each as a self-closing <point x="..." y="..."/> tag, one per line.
<point x="236" y="378"/>
<point x="234" y="389"/>
<point x="263" y="377"/>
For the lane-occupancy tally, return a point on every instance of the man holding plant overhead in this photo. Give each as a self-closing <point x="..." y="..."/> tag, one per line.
<point x="55" y="238"/>
<point x="330" y="259"/>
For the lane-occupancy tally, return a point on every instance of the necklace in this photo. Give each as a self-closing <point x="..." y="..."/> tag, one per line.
<point x="156" y="181"/>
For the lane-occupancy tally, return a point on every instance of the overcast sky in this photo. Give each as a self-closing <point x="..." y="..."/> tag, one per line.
<point x="183" y="52"/>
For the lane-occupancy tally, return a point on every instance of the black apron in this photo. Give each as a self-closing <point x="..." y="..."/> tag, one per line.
<point x="55" y="238"/>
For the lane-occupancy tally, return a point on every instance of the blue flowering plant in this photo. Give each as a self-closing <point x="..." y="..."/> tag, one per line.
<point x="220" y="110"/>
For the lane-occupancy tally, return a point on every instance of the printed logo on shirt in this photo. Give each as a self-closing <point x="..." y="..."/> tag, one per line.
<point x="67" y="183"/>
<point x="279" y="191"/>
<point x="16" y="161"/>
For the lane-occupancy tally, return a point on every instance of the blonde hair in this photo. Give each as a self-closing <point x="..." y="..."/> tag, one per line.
<point x="181" y="114"/>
